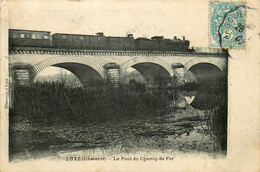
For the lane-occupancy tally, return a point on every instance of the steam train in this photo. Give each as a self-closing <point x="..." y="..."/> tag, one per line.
<point x="31" y="38"/>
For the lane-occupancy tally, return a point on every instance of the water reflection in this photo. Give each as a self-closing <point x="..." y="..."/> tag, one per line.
<point x="174" y="132"/>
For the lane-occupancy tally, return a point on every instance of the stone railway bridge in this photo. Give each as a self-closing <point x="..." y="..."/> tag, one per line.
<point x="158" y="68"/>
<point x="105" y="65"/>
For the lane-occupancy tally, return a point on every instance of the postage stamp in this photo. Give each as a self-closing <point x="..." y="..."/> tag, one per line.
<point x="227" y="24"/>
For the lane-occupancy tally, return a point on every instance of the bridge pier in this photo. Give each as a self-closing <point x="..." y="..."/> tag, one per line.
<point x="112" y="73"/>
<point x="20" y="75"/>
<point x="178" y="74"/>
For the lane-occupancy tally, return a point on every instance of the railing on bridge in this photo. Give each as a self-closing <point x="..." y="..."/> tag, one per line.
<point x="199" y="52"/>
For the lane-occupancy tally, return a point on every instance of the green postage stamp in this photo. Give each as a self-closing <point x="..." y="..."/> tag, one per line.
<point x="227" y="24"/>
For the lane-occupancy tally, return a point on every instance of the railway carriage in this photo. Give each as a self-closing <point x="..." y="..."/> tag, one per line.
<point x="79" y="41"/>
<point x="120" y="43"/>
<point x="29" y="38"/>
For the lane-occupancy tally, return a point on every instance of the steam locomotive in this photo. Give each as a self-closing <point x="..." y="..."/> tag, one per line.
<point x="31" y="38"/>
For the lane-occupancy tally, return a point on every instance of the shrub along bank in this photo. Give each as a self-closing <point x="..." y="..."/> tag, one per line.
<point x="53" y="103"/>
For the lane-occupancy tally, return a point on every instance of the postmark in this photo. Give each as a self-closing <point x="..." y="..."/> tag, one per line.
<point x="227" y="24"/>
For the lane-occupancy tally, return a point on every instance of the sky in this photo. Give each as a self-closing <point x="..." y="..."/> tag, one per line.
<point x="115" y="18"/>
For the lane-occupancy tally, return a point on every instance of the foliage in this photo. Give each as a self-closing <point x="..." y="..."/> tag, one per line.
<point x="53" y="103"/>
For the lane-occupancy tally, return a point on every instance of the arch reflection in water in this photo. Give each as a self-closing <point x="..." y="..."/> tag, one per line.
<point x="206" y="85"/>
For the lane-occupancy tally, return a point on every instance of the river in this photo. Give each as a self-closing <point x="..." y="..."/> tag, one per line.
<point x="183" y="131"/>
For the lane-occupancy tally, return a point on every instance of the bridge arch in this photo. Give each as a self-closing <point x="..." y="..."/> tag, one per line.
<point x="83" y="68"/>
<point x="150" y="67"/>
<point x="219" y="62"/>
<point x="210" y="78"/>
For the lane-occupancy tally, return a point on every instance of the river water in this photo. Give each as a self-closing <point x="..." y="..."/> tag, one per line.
<point x="183" y="131"/>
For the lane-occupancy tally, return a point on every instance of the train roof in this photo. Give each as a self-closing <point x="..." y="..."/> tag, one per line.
<point x="157" y="37"/>
<point x="75" y="34"/>
<point x="29" y="30"/>
<point x="98" y="34"/>
<point x="142" y="38"/>
<point x="118" y="37"/>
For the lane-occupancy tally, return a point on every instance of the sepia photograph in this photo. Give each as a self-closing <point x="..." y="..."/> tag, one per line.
<point x="123" y="81"/>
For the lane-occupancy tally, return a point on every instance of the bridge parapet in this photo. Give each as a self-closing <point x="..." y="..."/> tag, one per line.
<point x="38" y="50"/>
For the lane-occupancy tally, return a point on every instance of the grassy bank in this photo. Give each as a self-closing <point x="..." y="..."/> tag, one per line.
<point x="53" y="103"/>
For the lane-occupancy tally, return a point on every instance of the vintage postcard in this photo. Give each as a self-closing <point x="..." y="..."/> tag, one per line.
<point x="161" y="85"/>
